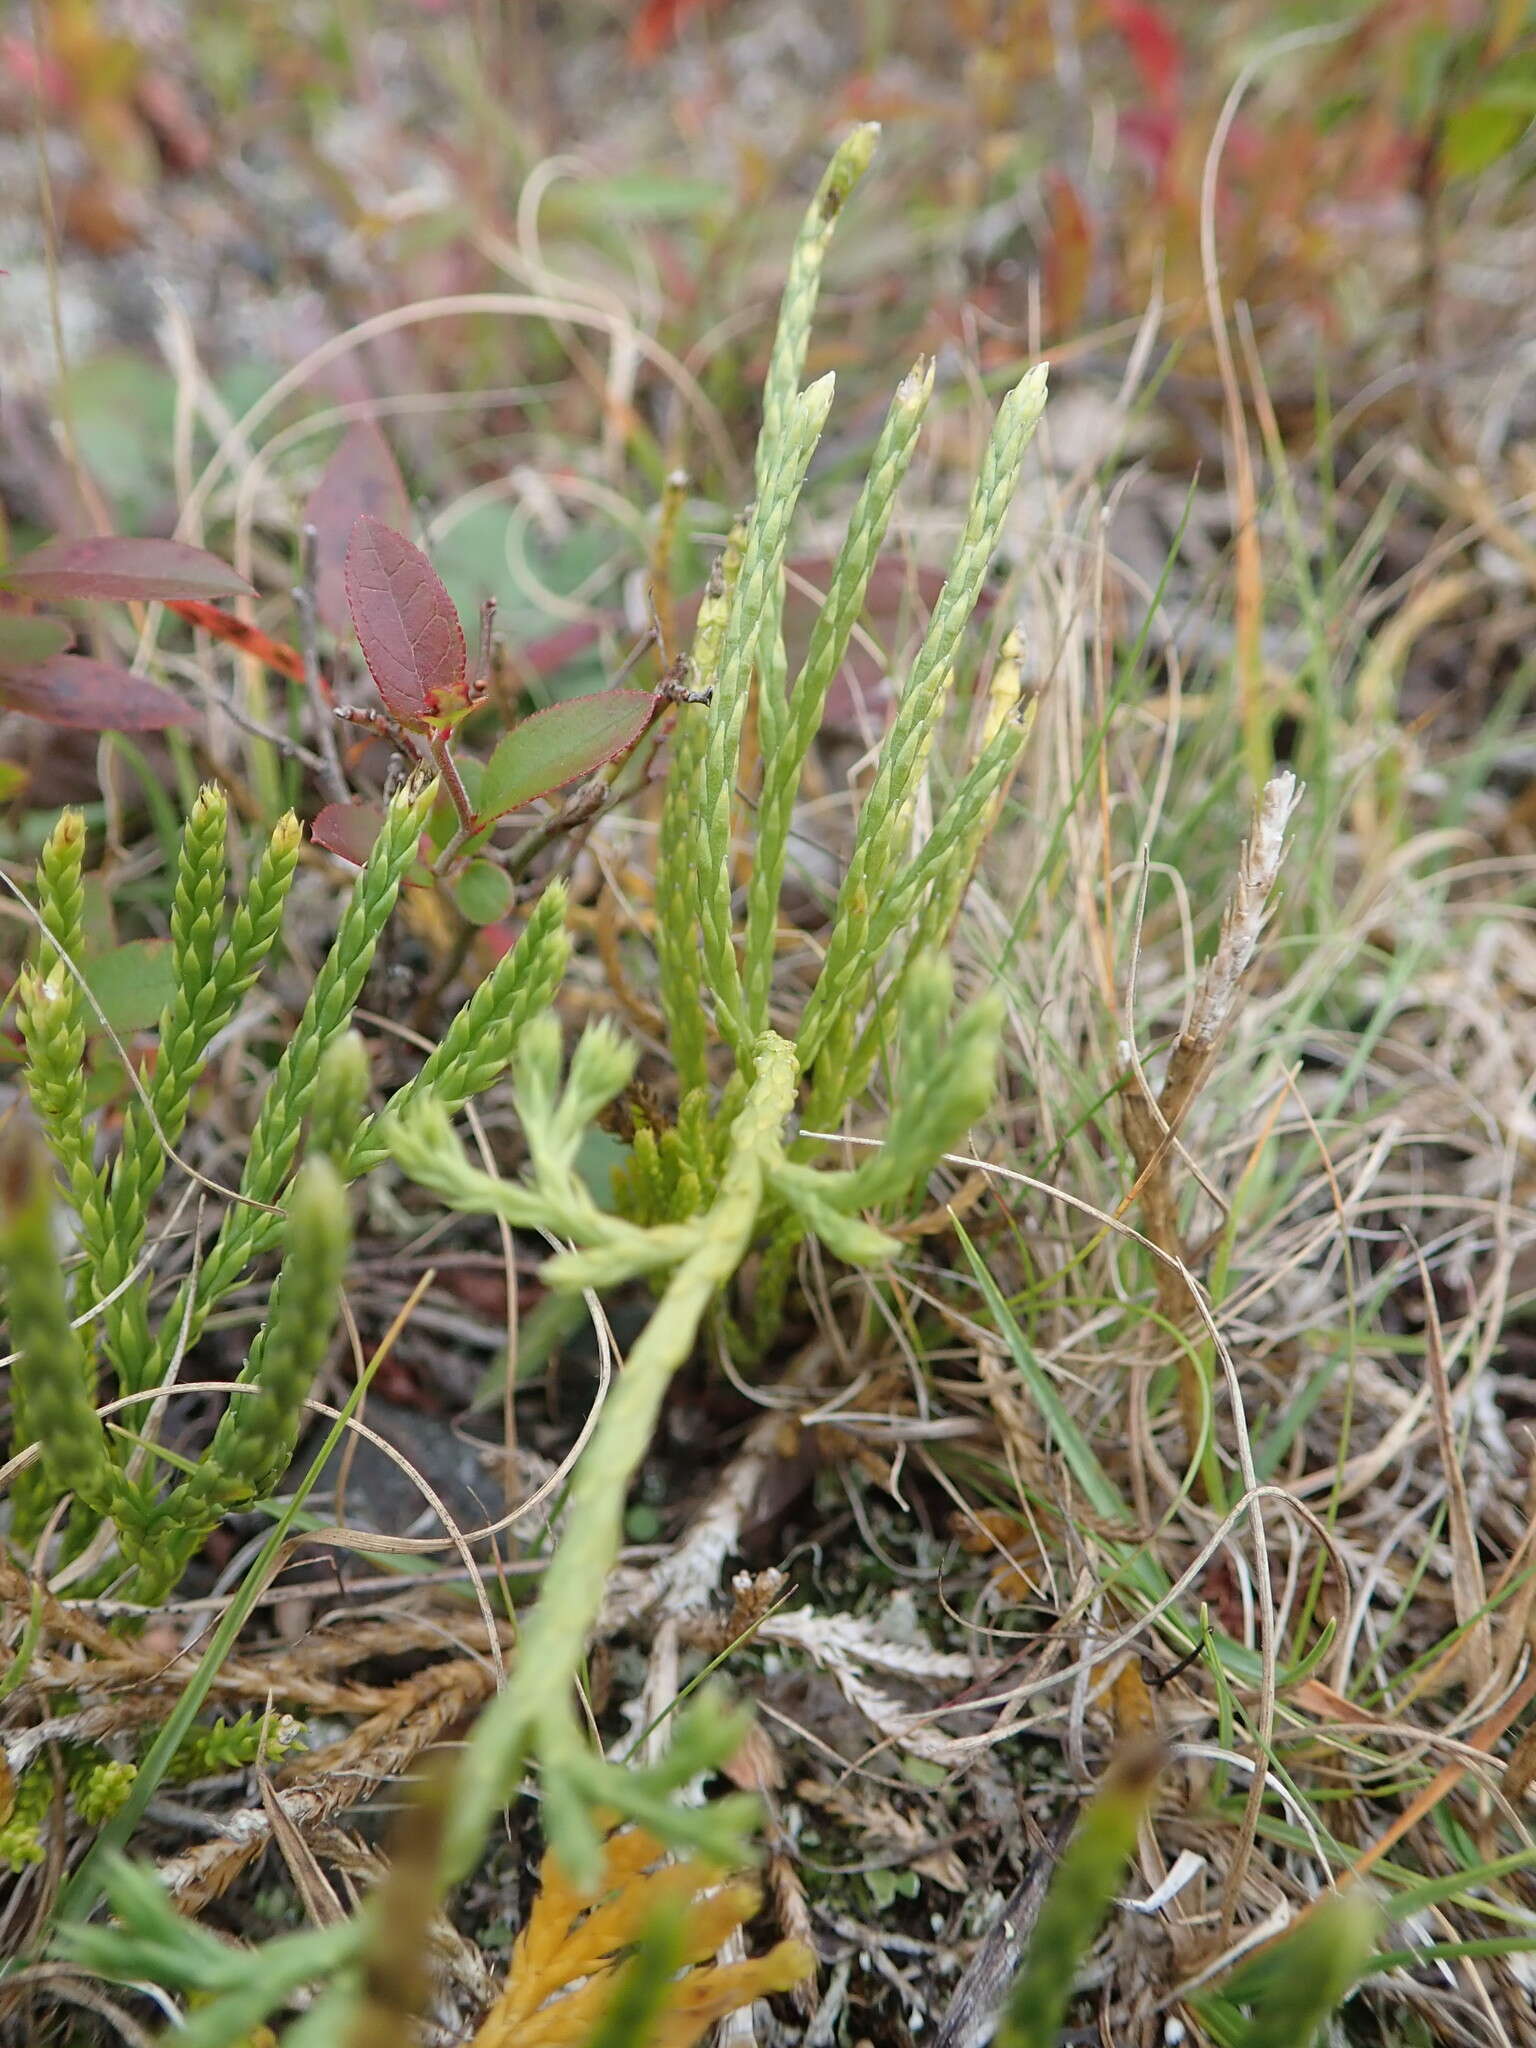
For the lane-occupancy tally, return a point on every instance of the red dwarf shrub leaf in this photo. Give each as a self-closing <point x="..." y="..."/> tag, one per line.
<point x="406" y="625"/>
<point x="123" y="569"/>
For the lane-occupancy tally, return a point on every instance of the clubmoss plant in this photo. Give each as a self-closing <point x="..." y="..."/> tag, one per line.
<point x="895" y="905"/>
<point x="317" y="1094"/>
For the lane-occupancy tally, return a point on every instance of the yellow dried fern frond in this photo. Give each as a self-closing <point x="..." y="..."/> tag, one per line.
<point x="567" y="1960"/>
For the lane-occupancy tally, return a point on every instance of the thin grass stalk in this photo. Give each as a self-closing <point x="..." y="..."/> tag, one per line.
<point x="786" y="745"/>
<point x="827" y="1032"/>
<point x="762" y="569"/>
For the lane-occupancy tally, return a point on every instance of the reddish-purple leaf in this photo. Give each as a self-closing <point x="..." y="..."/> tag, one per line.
<point x="93" y="695"/>
<point x="113" y="567"/>
<point x="25" y="641"/>
<point x="348" y="829"/>
<point x="360" y="477"/>
<point x="553" y="747"/>
<point x="406" y="624"/>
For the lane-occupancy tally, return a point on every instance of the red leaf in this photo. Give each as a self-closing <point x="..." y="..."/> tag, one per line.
<point x="93" y="695"/>
<point x="406" y="624"/>
<point x="554" y="747"/>
<point x="348" y="829"/>
<point x="360" y="477"/>
<point x="250" y="639"/>
<point x="112" y="567"/>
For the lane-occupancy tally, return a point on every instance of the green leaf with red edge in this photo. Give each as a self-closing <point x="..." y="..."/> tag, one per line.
<point x="93" y="696"/>
<point x="553" y="747"/>
<point x="124" y="569"/>
<point x="406" y="626"/>
<point x="361" y="477"/>
<point x="26" y="641"/>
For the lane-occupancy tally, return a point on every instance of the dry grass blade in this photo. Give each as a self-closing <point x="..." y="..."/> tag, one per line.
<point x="1468" y="1589"/>
<point x="1152" y="1123"/>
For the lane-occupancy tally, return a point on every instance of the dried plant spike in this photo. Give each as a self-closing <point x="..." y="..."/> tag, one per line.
<point x="1242" y="926"/>
<point x="785" y="750"/>
<point x="1080" y="1894"/>
<point x="762" y="569"/>
<point x="51" y="1374"/>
